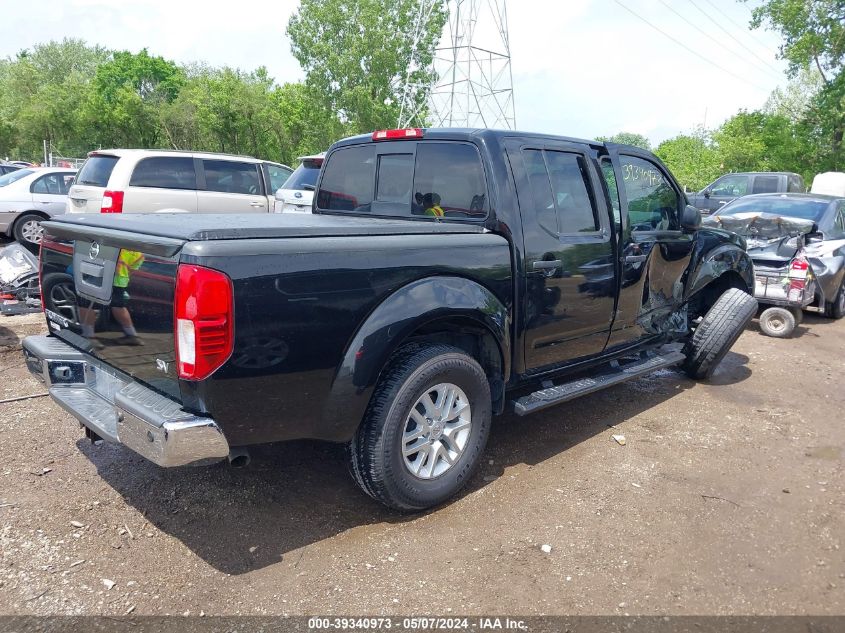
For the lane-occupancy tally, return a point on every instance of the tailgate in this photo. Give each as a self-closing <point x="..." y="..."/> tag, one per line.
<point x="97" y="284"/>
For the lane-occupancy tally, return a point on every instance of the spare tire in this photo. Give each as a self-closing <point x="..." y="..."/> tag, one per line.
<point x="717" y="332"/>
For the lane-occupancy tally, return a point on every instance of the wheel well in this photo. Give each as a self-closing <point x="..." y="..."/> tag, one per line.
<point x="704" y="299"/>
<point x="477" y="341"/>
<point x="40" y="214"/>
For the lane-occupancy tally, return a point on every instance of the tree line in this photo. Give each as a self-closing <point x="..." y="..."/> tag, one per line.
<point x="357" y="55"/>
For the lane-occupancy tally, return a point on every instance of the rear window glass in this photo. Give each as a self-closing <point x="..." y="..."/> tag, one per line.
<point x="165" y="172"/>
<point x="303" y="175"/>
<point x="765" y="184"/>
<point x="96" y="171"/>
<point x="794" y="208"/>
<point x="12" y="176"/>
<point x="229" y="176"/>
<point x="449" y="176"/>
<point x="349" y="180"/>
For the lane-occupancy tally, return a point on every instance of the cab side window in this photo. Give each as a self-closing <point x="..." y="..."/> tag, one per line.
<point x="561" y="191"/>
<point x="766" y="184"/>
<point x="730" y="186"/>
<point x="653" y="203"/>
<point x="54" y="184"/>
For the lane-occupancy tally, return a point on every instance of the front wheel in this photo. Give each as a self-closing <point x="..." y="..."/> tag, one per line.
<point x="717" y="332"/>
<point x="425" y="429"/>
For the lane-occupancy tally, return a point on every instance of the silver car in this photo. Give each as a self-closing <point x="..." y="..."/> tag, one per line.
<point x="30" y="195"/>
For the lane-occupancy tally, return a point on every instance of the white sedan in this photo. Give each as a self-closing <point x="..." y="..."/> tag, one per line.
<point x="30" y="195"/>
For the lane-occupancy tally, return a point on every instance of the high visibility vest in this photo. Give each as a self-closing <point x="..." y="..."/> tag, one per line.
<point x="126" y="261"/>
<point x="435" y="211"/>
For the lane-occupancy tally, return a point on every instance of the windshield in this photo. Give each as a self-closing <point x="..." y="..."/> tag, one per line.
<point x="302" y="175"/>
<point x="96" y="171"/>
<point x="12" y="176"/>
<point x="791" y="207"/>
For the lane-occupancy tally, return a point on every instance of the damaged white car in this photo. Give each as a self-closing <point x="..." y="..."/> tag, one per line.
<point x="797" y="244"/>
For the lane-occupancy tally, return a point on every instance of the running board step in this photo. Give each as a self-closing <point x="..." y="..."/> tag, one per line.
<point x="568" y="391"/>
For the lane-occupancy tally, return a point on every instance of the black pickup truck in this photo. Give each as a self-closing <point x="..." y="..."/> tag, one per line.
<point x="444" y="277"/>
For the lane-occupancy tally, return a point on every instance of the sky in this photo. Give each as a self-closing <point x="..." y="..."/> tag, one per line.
<point x="581" y="68"/>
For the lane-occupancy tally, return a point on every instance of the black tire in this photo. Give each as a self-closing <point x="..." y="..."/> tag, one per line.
<point x="717" y="332"/>
<point x="59" y="296"/>
<point x="798" y="313"/>
<point x="376" y="452"/>
<point x="836" y="309"/>
<point x="21" y="232"/>
<point x="777" y="322"/>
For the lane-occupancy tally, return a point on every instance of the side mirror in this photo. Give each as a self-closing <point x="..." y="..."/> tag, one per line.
<point x="814" y="238"/>
<point x="707" y="192"/>
<point x="278" y="195"/>
<point x="690" y="219"/>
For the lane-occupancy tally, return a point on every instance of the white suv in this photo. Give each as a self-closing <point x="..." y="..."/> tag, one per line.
<point x="149" y="181"/>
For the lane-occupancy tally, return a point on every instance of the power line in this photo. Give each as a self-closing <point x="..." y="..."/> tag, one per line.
<point x="726" y="32"/>
<point x="688" y="49"/>
<point x="707" y="35"/>
<point x="744" y="29"/>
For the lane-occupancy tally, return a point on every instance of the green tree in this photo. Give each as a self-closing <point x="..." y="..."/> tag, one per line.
<point x="813" y="33"/>
<point x="128" y="94"/>
<point x="42" y="92"/>
<point x="357" y="55"/>
<point x="627" y="138"/>
<point x="692" y="158"/>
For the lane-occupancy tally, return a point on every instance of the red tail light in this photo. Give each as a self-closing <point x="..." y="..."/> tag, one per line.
<point x="204" y="314"/>
<point x="798" y="266"/>
<point x="112" y="202"/>
<point x="390" y="135"/>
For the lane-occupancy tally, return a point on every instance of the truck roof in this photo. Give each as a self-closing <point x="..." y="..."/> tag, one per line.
<point x="469" y="134"/>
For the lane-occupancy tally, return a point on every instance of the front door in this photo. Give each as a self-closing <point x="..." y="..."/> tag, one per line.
<point x="569" y="265"/>
<point x="231" y="186"/>
<point x="655" y="253"/>
<point x="725" y="189"/>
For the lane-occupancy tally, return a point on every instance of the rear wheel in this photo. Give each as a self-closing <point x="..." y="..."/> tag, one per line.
<point x="777" y="322"/>
<point x="717" y="332"/>
<point x="28" y="231"/>
<point x="425" y="429"/>
<point x="836" y="309"/>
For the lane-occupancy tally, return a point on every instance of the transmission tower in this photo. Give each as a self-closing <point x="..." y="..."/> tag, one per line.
<point x="473" y="84"/>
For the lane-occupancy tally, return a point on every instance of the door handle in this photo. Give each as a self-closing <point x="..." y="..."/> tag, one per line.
<point x="547" y="266"/>
<point x="256" y="204"/>
<point x="631" y="259"/>
<point x="723" y="201"/>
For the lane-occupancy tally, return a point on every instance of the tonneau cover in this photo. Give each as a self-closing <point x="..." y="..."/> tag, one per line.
<point x="201" y="227"/>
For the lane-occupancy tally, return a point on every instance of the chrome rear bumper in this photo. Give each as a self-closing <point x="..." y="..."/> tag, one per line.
<point x="121" y="410"/>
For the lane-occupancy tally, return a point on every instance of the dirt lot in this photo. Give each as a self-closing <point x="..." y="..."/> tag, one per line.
<point x="728" y="497"/>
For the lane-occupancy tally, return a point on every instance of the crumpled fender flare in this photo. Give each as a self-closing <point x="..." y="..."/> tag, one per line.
<point x="389" y="325"/>
<point x="714" y="263"/>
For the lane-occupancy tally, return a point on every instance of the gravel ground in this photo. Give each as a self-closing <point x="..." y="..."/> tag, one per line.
<point x="727" y="498"/>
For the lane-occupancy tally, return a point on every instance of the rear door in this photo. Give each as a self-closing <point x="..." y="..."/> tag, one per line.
<point x="162" y="183"/>
<point x="230" y="186"/>
<point x="768" y="183"/>
<point x="86" y="193"/>
<point x="569" y="263"/>
<point x="49" y="192"/>
<point x="655" y="253"/>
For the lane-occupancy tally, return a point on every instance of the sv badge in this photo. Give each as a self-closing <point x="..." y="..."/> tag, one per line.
<point x="161" y="365"/>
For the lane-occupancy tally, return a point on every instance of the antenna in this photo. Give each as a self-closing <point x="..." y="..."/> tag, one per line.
<point x="473" y="85"/>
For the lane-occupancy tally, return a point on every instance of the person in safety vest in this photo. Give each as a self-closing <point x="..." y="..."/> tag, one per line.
<point x="127" y="261"/>
<point x="431" y="204"/>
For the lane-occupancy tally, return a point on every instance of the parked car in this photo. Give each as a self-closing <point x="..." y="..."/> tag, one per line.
<point x="30" y="195"/>
<point x="395" y="326"/>
<point x="150" y="181"/>
<point x="797" y="243"/>
<point x="6" y="168"/>
<point x="830" y="183"/>
<point x="731" y="186"/>
<point x="297" y="194"/>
